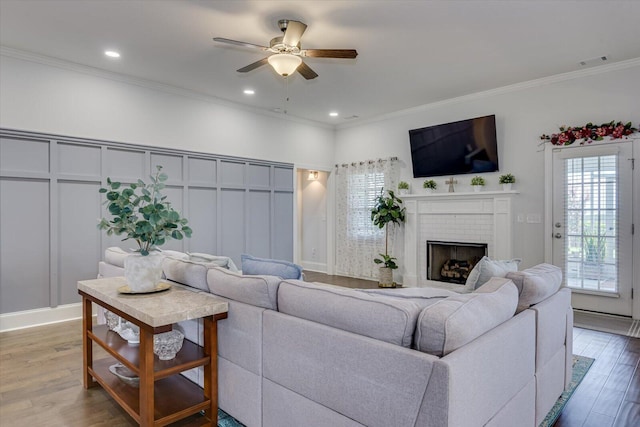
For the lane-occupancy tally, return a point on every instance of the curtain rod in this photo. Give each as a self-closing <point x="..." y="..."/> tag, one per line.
<point x="380" y="160"/>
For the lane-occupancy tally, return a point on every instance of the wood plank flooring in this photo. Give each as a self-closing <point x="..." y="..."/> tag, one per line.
<point x="41" y="378"/>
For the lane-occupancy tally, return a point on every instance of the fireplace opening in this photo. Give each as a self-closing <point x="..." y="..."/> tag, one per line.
<point x="452" y="261"/>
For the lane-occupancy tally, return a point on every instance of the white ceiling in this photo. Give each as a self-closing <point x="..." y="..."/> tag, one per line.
<point x="410" y="52"/>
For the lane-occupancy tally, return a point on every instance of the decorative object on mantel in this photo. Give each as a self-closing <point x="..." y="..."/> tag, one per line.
<point x="589" y="133"/>
<point x="403" y="188"/>
<point x="143" y="214"/>
<point x="388" y="210"/>
<point x="477" y="182"/>
<point x="507" y="180"/>
<point x="430" y="185"/>
<point x="451" y="181"/>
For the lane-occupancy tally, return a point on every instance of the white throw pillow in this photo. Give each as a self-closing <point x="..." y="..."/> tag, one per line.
<point x="487" y="268"/>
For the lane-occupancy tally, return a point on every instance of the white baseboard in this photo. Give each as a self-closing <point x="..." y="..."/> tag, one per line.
<point x="318" y="267"/>
<point x="39" y="317"/>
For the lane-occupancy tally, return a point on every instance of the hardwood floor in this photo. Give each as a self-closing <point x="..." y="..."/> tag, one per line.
<point x="41" y="378"/>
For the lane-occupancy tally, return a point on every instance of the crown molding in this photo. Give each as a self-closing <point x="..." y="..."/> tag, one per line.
<point x="571" y="75"/>
<point x="149" y="84"/>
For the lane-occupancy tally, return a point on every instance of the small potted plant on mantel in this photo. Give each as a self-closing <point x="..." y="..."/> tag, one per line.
<point x="477" y="182"/>
<point x="507" y="180"/>
<point x="388" y="210"/>
<point x="143" y="214"/>
<point x="430" y="185"/>
<point x="403" y="188"/>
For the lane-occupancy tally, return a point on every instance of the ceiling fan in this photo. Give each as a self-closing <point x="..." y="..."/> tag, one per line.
<point x="287" y="53"/>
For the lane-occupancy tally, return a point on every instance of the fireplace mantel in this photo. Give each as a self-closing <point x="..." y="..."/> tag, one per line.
<point x="484" y="216"/>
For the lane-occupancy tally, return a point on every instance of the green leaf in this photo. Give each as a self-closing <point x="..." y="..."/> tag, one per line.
<point x="162" y="177"/>
<point x="115" y="185"/>
<point x="102" y="190"/>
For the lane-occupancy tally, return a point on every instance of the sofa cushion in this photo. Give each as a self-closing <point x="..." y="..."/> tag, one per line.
<point x="423" y="297"/>
<point x="220" y="261"/>
<point x="115" y="255"/>
<point x="187" y="272"/>
<point x="487" y="268"/>
<point x="536" y="284"/>
<point x="383" y="318"/>
<point x="455" y="321"/>
<point x="271" y="267"/>
<point x="260" y="291"/>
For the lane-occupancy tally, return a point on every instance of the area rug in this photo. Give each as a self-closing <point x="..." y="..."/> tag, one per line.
<point x="226" y="420"/>
<point x="581" y="366"/>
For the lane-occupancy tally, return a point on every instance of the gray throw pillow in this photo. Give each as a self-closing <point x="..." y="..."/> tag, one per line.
<point x="487" y="268"/>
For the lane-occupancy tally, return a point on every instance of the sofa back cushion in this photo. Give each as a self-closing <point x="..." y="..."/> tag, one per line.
<point x="455" y="321"/>
<point x="260" y="291"/>
<point x="187" y="272"/>
<point x="536" y="284"/>
<point x="219" y="261"/>
<point x="270" y="267"/>
<point x="386" y="319"/>
<point x="115" y="255"/>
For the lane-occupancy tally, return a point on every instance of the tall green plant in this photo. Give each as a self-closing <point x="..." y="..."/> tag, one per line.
<point x="387" y="210"/>
<point x="142" y="213"/>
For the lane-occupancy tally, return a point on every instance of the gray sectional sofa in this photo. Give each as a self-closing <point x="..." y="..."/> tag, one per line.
<point x="293" y="353"/>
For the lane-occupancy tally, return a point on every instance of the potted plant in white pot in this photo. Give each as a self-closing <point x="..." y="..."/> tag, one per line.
<point x="430" y="185"/>
<point x="477" y="182"/>
<point x="507" y="180"/>
<point x="403" y="188"/>
<point x="388" y="210"/>
<point x="143" y="214"/>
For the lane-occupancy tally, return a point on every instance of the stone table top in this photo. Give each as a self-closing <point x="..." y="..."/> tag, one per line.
<point x="155" y="309"/>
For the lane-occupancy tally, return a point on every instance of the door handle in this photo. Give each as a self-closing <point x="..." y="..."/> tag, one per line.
<point x="557" y="236"/>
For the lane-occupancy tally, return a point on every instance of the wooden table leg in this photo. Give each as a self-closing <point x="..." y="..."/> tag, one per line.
<point x="146" y="378"/>
<point x="87" y="345"/>
<point x="211" y="369"/>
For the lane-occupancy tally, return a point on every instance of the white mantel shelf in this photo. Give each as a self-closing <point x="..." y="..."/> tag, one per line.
<point x="467" y="194"/>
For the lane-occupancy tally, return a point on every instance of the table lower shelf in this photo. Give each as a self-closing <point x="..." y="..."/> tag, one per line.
<point x="175" y="397"/>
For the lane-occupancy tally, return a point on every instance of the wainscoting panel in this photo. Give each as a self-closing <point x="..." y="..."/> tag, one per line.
<point x="78" y="238"/>
<point x="50" y="207"/>
<point x="24" y="244"/>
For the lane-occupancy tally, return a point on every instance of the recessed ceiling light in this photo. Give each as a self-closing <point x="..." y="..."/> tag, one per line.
<point x="112" y="54"/>
<point x="249" y="91"/>
<point x="333" y="114"/>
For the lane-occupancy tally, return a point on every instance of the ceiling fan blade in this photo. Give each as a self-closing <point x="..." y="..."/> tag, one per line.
<point x="306" y="71"/>
<point x="238" y="43"/>
<point x="253" y="66"/>
<point x="329" y="53"/>
<point x="293" y="33"/>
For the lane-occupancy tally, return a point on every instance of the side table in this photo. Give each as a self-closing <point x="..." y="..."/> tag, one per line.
<point x="164" y="396"/>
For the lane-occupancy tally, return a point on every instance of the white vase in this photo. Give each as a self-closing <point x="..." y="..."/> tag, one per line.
<point x="430" y="190"/>
<point x="506" y="187"/>
<point x="385" y="280"/>
<point x="477" y="188"/>
<point x="143" y="273"/>
<point x="403" y="191"/>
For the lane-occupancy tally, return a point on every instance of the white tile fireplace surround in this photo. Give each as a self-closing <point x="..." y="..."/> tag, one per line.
<point x="483" y="217"/>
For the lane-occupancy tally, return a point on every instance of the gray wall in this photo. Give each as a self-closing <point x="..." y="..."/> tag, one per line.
<point x="50" y="205"/>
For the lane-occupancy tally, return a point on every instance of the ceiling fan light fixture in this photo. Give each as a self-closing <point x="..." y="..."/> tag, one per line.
<point x="285" y="64"/>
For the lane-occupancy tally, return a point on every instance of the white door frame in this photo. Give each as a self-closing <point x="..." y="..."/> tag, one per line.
<point x="548" y="216"/>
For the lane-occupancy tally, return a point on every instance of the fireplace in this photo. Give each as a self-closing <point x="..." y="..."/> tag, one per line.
<point x="452" y="261"/>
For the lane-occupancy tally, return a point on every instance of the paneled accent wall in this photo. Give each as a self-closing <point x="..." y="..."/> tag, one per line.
<point x="50" y="205"/>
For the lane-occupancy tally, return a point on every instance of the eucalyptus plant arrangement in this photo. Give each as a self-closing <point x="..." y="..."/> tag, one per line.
<point x="478" y="180"/>
<point x="142" y="213"/>
<point x="429" y="184"/>
<point x="388" y="210"/>
<point x="507" y="179"/>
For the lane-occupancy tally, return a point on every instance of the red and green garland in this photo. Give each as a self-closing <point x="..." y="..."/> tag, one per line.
<point x="589" y="133"/>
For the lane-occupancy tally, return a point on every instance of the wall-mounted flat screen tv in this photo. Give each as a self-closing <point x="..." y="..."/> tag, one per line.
<point x="467" y="146"/>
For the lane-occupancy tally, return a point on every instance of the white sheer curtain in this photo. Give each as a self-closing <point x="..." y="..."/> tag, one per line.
<point x="358" y="241"/>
